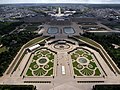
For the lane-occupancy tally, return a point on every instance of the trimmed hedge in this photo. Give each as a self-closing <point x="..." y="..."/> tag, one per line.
<point x="17" y="87"/>
<point x="106" y="87"/>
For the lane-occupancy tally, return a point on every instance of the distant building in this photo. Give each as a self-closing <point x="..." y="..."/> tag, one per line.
<point x="60" y="18"/>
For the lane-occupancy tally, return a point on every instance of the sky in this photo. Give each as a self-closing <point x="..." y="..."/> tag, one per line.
<point x="61" y="1"/>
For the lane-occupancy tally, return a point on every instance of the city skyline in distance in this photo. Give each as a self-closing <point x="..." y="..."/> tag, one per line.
<point x="61" y="1"/>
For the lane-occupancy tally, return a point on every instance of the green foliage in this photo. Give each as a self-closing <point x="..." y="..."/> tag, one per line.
<point x="34" y="66"/>
<point x="89" y="41"/>
<point x="47" y="67"/>
<point x="34" y="41"/>
<point x="50" y="64"/>
<point x="79" y="66"/>
<point x="3" y="49"/>
<point x="106" y="87"/>
<point x="39" y="72"/>
<point x="17" y="87"/>
<point x="97" y="72"/>
<point x="38" y="55"/>
<point x="74" y="56"/>
<point x="106" y="41"/>
<point x="80" y="52"/>
<point x="75" y="64"/>
<point x="44" y="69"/>
<point x="85" y="69"/>
<point x="50" y="72"/>
<point x="87" y="72"/>
<point x="20" y="38"/>
<point x="50" y="56"/>
<point x="76" y="72"/>
<point x="92" y="65"/>
<point x="113" y="25"/>
<point x="31" y="28"/>
<point x="89" y="57"/>
<point x="29" y="73"/>
<point x="4" y="24"/>
<point x="35" y="57"/>
<point x="6" y="27"/>
<point x="44" y="52"/>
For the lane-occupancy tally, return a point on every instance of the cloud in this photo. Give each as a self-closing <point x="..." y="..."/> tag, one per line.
<point x="59" y="1"/>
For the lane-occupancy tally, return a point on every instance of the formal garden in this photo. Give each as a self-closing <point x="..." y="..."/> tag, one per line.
<point x="84" y="63"/>
<point x="42" y="63"/>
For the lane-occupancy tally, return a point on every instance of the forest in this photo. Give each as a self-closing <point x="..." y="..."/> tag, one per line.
<point x="106" y="41"/>
<point x="7" y="27"/>
<point x="14" y="42"/>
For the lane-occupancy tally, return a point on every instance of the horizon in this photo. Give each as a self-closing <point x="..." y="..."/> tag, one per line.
<point x="60" y="2"/>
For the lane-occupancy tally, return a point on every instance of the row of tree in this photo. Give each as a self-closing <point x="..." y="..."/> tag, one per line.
<point x="107" y="87"/>
<point x="17" y="87"/>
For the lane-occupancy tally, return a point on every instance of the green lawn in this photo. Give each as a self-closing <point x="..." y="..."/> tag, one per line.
<point x="50" y="72"/>
<point x="50" y="56"/>
<point x="31" y="28"/>
<point x="87" y="72"/>
<point x="37" y="56"/>
<point x="29" y="73"/>
<point x="86" y="69"/>
<point x="3" y="49"/>
<point x="80" y="52"/>
<point x="89" y="41"/>
<point x="93" y="65"/>
<point x="39" y="72"/>
<point x="31" y="42"/>
<point x="74" y="56"/>
<point x="41" y="68"/>
<point x="89" y="57"/>
<point x="76" y="72"/>
<point x="77" y="65"/>
<point x="34" y="66"/>
<point x="97" y="72"/>
<point x="45" y="52"/>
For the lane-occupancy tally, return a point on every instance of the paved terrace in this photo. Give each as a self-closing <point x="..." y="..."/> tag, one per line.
<point x="60" y="81"/>
<point x="61" y="33"/>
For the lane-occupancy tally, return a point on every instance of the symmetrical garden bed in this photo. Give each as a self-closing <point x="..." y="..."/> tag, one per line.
<point x="84" y="63"/>
<point x="42" y="63"/>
